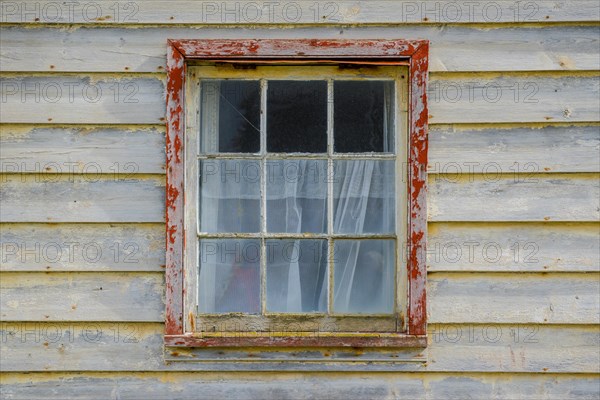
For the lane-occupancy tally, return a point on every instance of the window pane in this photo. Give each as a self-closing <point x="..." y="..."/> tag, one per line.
<point x="229" y="276"/>
<point x="229" y="196"/>
<point x="363" y="116"/>
<point x="364" y="276"/>
<point x="230" y="120"/>
<point x="297" y="196"/>
<point x="364" y="196"/>
<point x="297" y="116"/>
<point x="296" y="275"/>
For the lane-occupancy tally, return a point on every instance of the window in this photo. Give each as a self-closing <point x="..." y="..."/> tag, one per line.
<point x="295" y="193"/>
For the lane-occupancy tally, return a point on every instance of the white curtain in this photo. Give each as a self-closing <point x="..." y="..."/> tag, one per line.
<point x="364" y="198"/>
<point x="297" y="203"/>
<point x="364" y="203"/>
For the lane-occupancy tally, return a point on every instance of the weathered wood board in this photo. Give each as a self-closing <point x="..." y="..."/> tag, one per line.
<point x="510" y="247"/>
<point x="210" y="386"/>
<point x="139" y="149"/>
<point x="507" y="197"/>
<point x="484" y="247"/>
<point x="99" y="346"/>
<point x="453" y="297"/>
<point x="514" y="150"/>
<point x="82" y="297"/>
<point x="453" y="48"/>
<point x="81" y="198"/>
<point x="95" y="198"/>
<point x="82" y="150"/>
<point x="299" y="12"/>
<point x="82" y="247"/>
<point x="522" y="98"/>
<point x="452" y="98"/>
<point x="514" y="298"/>
<point x="82" y="100"/>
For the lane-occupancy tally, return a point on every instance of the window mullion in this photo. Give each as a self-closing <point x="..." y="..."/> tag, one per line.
<point x="263" y="195"/>
<point x="330" y="194"/>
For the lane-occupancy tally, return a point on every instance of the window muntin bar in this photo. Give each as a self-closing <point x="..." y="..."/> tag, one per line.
<point x="263" y="156"/>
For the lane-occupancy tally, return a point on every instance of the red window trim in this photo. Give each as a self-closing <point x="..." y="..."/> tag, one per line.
<point x="413" y="53"/>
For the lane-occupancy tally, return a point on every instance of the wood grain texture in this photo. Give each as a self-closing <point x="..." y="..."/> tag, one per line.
<point x="520" y="324"/>
<point x="504" y="98"/>
<point x="209" y="386"/>
<point x="299" y="12"/>
<point x="81" y="198"/>
<point x="452" y="98"/>
<point x="82" y="247"/>
<point x="535" y="298"/>
<point x="452" y="148"/>
<point x="75" y="150"/>
<point x="508" y="247"/>
<point x="82" y="297"/>
<point x="82" y="100"/>
<point x="514" y="150"/>
<point x="493" y="197"/>
<point x="453" y="48"/>
<point x="524" y="247"/>
<point x="96" y="346"/>
<point x="452" y="297"/>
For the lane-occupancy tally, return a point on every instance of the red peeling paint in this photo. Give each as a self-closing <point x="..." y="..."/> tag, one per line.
<point x="174" y="201"/>
<point x="197" y="340"/>
<point x="384" y="52"/>
<point x="417" y="269"/>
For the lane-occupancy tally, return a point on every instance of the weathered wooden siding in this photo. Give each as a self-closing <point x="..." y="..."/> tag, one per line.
<point x="513" y="253"/>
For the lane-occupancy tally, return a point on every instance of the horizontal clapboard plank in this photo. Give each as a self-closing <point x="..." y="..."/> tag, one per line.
<point x="83" y="297"/>
<point x="91" y="150"/>
<point x="81" y="198"/>
<point x="513" y="298"/>
<point x="506" y="247"/>
<point x="526" y="247"/>
<point x="93" y="198"/>
<point x="139" y="347"/>
<point x="514" y="150"/>
<point x="452" y="297"/>
<point x="453" y="48"/>
<point x="524" y="197"/>
<point x="298" y="12"/>
<point x="81" y="100"/>
<point x="82" y="247"/>
<point x="207" y="386"/>
<point x="462" y="98"/>
<point x="452" y="149"/>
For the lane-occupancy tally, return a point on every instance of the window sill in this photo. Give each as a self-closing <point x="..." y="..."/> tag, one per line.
<point x="310" y="339"/>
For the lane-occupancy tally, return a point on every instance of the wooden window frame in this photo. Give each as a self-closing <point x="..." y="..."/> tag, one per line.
<point x="410" y="53"/>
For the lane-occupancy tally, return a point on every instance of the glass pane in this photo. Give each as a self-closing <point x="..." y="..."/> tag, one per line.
<point x="229" y="196"/>
<point x="297" y="116"/>
<point x="230" y="120"/>
<point x="364" y="276"/>
<point x="297" y="196"/>
<point x="296" y="275"/>
<point x="229" y="276"/>
<point x="364" y="196"/>
<point x="363" y="113"/>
